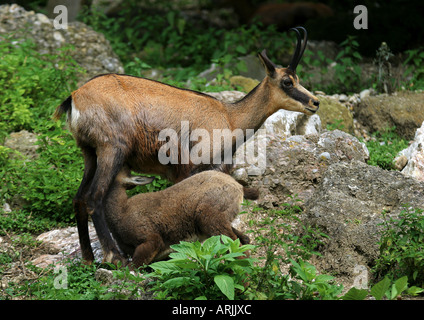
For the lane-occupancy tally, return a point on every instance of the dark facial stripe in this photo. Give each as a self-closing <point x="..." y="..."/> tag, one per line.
<point x="296" y="94"/>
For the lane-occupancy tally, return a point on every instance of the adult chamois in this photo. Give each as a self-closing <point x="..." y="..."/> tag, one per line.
<point x="117" y="119"/>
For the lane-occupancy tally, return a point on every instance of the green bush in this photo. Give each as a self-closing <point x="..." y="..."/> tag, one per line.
<point x="414" y="72"/>
<point x="274" y="235"/>
<point x="47" y="184"/>
<point x="347" y="70"/>
<point x="401" y="241"/>
<point x="212" y="270"/>
<point x="33" y="84"/>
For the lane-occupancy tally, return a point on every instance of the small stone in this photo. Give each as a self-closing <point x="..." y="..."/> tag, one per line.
<point x="6" y="208"/>
<point x="58" y="36"/>
<point x="401" y="162"/>
<point x="240" y="175"/>
<point x="343" y="98"/>
<point x="324" y="156"/>
<point x="364" y="93"/>
<point x="43" y="18"/>
<point x="104" y="276"/>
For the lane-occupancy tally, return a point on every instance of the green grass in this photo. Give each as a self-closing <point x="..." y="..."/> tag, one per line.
<point x="384" y="147"/>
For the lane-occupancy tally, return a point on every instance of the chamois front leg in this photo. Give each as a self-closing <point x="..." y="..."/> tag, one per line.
<point x="109" y="161"/>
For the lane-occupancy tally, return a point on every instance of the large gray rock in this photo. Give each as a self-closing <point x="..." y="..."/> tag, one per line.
<point x="347" y="206"/>
<point x="294" y="165"/>
<point x="403" y="110"/>
<point x="92" y="51"/>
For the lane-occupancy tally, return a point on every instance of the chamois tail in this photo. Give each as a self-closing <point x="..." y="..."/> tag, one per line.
<point x="64" y="107"/>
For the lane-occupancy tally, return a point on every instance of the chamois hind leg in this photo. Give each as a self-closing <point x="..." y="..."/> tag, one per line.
<point x="218" y="221"/>
<point x="80" y="204"/>
<point x="109" y="161"/>
<point x="145" y="253"/>
<point x="226" y="230"/>
<point x="222" y="227"/>
<point x="243" y="238"/>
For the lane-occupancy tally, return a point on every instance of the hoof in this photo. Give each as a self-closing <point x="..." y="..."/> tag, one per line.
<point x="115" y="258"/>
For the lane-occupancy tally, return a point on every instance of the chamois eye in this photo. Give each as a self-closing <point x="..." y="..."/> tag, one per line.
<point x="287" y="83"/>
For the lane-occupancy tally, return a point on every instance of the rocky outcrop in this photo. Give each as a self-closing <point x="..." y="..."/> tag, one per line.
<point x="347" y="206"/>
<point x="403" y="110"/>
<point x="295" y="164"/>
<point x="91" y="50"/>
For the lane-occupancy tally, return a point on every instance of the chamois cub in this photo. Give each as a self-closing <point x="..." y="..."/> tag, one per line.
<point x="145" y="225"/>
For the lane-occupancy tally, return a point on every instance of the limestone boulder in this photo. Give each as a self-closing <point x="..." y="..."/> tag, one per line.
<point x="404" y="110"/>
<point x="347" y="206"/>
<point x="293" y="165"/>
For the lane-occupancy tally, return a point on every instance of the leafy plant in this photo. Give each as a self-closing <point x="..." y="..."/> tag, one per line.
<point x="48" y="183"/>
<point x="384" y="81"/>
<point x="311" y="285"/>
<point x="80" y="284"/>
<point x="312" y="61"/>
<point x="414" y="72"/>
<point x="33" y="84"/>
<point x="384" y="289"/>
<point x="347" y="70"/>
<point x="212" y="270"/>
<point x="400" y="244"/>
<point x="275" y="230"/>
<point x="274" y="235"/>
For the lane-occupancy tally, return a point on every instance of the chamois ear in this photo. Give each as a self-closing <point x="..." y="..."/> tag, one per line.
<point x="268" y="64"/>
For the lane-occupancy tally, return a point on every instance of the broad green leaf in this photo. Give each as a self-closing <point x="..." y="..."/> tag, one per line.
<point x="228" y="256"/>
<point x="177" y="255"/>
<point x="176" y="282"/>
<point x="241" y="49"/>
<point x="399" y="286"/>
<point x="226" y="284"/>
<point x="187" y="248"/>
<point x="164" y="267"/>
<point x="210" y="243"/>
<point x="414" y="290"/>
<point x="379" y="289"/>
<point x="355" y="294"/>
<point x="324" y="278"/>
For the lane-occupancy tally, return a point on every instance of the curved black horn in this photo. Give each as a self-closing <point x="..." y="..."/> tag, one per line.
<point x="300" y="48"/>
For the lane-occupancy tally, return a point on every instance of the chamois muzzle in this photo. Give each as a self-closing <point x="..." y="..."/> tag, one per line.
<point x="313" y="106"/>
